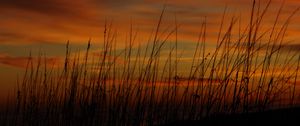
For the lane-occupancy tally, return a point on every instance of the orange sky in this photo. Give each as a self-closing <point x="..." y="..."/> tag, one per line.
<point x="55" y="21"/>
<point x="48" y="24"/>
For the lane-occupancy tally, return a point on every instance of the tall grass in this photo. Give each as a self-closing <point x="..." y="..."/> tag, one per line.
<point x="137" y="86"/>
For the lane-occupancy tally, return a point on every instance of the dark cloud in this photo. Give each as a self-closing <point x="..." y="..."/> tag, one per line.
<point x="43" y="6"/>
<point x="63" y="8"/>
<point x="21" y="62"/>
<point x="292" y="47"/>
<point x="59" y="7"/>
<point x="16" y="38"/>
<point x="285" y="47"/>
<point x="116" y="4"/>
<point x="5" y="36"/>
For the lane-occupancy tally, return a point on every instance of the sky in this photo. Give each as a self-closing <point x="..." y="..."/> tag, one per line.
<point x="34" y="25"/>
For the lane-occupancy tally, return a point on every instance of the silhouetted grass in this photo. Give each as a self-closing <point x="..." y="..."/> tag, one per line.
<point x="137" y="86"/>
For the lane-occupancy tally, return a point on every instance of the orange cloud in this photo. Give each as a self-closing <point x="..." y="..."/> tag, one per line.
<point x="21" y="62"/>
<point x="56" y="21"/>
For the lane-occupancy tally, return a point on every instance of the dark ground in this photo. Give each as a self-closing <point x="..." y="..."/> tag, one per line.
<point x="282" y="117"/>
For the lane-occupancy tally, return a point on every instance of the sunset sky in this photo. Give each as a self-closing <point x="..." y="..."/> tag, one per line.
<point x="33" y="25"/>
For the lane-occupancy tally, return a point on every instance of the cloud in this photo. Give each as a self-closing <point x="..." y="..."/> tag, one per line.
<point x="8" y="36"/>
<point x="56" y="21"/>
<point x="56" y="7"/>
<point x="284" y="47"/>
<point x="21" y="62"/>
<point x="292" y="47"/>
<point x="116" y="4"/>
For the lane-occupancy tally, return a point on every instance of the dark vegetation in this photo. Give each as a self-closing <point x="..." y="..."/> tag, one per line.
<point x="245" y="74"/>
<point x="285" y="117"/>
